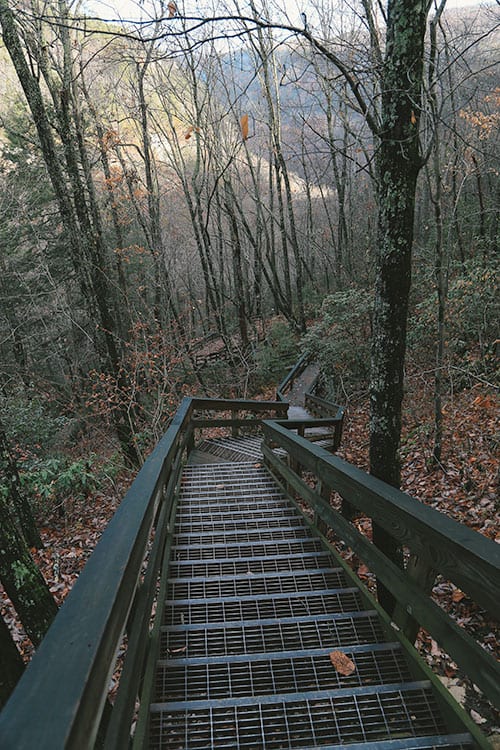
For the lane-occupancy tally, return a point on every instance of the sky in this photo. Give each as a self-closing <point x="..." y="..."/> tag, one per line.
<point x="130" y="9"/>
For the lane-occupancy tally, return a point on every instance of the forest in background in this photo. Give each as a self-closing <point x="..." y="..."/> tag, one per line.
<point x="201" y="211"/>
<point x="227" y="189"/>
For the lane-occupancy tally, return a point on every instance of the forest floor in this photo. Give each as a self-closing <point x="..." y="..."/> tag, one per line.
<point x="464" y="486"/>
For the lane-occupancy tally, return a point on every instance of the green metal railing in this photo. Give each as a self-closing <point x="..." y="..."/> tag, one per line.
<point x="325" y="413"/>
<point x="61" y="700"/>
<point x="294" y="372"/>
<point x="441" y="545"/>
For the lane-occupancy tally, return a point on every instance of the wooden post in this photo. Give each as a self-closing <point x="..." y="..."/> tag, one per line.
<point x="235" y="431"/>
<point x="324" y="492"/>
<point x="190" y="441"/>
<point x="424" y="575"/>
<point x="392" y="550"/>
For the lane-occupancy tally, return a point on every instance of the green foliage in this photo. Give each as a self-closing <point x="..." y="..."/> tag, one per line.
<point x="277" y="353"/>
<point x="472" y="314"/>
<point x="340" y="341"/>
<point x="49" y="477"/>
<point x="29" y="422"/>
<point x="51" y="480"/>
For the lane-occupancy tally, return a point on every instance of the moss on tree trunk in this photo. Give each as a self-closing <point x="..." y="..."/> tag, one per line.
<point x="23" y="581"/>
<point x="398" y="164"/>
<point x="11" y="664"/>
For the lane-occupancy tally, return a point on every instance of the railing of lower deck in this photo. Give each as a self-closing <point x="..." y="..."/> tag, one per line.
<point x="294" y="372"/>
<point x="439" y="544"/>
<point x="327" y="413"/>
<point x="61" y="699"/>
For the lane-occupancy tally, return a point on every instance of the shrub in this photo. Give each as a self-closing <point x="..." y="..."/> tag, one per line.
<point x="50" y="481"/>
<point x="29" y="422"/>
<point x="276" y="354"/>
<point x="472" y="313"/>
<point x="340" y="341"/>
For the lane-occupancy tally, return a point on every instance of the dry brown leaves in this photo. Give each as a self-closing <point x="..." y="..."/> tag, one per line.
<point x="342" y="663"/>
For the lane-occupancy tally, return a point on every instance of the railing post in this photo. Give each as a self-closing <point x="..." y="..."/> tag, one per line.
<point x="190" y="441"/>
<point x="324" y="492"/>
<point x="391" y="548"/>
<point x="423" y="574"/>
<point x="235" y="431"/>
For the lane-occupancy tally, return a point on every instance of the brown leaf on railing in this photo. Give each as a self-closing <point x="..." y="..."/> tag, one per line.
<point x="342" y="663"/>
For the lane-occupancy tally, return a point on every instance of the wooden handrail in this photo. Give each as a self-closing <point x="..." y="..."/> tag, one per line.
<point x="329" y="413"/>
<point x="294" y="372"/>
<point x="60" y="699"/>
<point x="465" y="557"/>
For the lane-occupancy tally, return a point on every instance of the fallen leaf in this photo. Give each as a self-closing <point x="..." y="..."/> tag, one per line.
<point x="458" y="595"/>
<point x="180" y="650"/>
<point x="477" y="718"/>
<point x="363" y="571"/>
<point x="342" y="663"/>
<point x="435" y="650"/>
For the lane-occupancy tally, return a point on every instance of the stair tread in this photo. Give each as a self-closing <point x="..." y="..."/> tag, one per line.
<point x="255" y="605"/>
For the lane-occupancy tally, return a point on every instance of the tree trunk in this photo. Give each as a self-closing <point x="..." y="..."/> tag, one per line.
<point x="20" y="504"/>
<point x="22" y="580"/>
<point x="440" y="270"/>
<point x="241" y="293"/>
<point x="398" y="165"/>
<point x="11" y="663"/>
<point x="81" y="222"/>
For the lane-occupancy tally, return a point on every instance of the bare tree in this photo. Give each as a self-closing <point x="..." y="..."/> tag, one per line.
<point x="72" y="182"/>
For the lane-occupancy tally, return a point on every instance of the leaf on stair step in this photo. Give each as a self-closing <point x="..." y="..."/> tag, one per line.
<point x="342" y="663"/>
<point x="220" y="486"/>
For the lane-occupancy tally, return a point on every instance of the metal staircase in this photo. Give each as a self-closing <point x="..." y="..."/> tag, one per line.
<point x="241" y="626"/>
<point x="256" y="604"/>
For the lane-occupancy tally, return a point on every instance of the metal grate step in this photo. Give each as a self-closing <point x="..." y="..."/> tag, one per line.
<point x="214" y="528"/>
<point x="214" y="475"/>
<point x="187" y="679"/>
<point x="311" y="720"/>
<point x="262" y="504"/>
<point x="222" y="551"/>
<point x="241" y="536"/>
<point x="191" y="517"/>
<point x="331" y="631"/>
<point x="255" y="585"/>
<point x="234" y="448"/>
<point x="234" y="468"/>
<point x="255" y="606"/>
<point x="245" y="528"/>
<point x="246" y="566"/>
